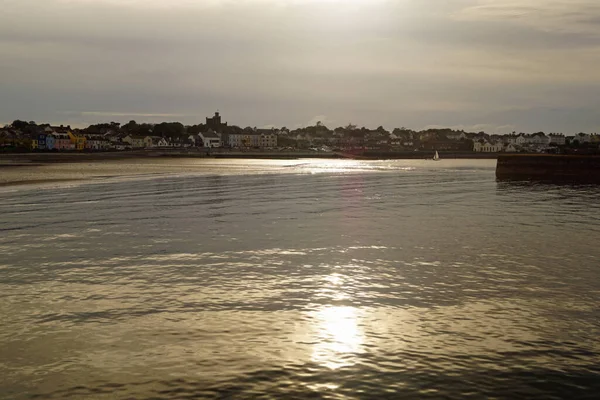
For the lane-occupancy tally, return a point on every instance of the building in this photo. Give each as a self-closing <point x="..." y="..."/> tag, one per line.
<point x="583" y="138"/>
<point x="195" y="140"/>
<point x="258" y="138"/>
<point x="483" y="146"/>
<point x="138" y="142"/>
<point x="235" y="140"/>
<point x="42" y="141"/>
<point x="158" y="141"/>
<point x="50" y="142"/>
<point x="97" y="142"/>
<point x="62" y="137"/>
<point x="557" y="139"/>
<point x="215" y="124"/>
<point x="523" y="139"/>
<point x="267" y="138"/>
<point x="62" y="141"/>
<point x="456" y="136"/>
<point x="210" y="139"/>
<point x="78" y="141"/>
<point x="243" y="140"/>
<point x="510" y="139"/>
<point x="539" y="138"/>
<point x="510" y="148"/>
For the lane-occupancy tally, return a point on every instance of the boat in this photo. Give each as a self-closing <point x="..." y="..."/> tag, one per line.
<point x="436" y="157"/>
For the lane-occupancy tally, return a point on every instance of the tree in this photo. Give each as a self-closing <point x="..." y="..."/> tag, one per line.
<point x="285" y="141"/>
<point x="169" y="129"/>
<point x="234" y="129"/>
<point x="382" y="130"/>
<point x="20" y="125"/>
<point x="130" y="127"/>
<point x="195" y="129"/>
<point x="144" y="130"/>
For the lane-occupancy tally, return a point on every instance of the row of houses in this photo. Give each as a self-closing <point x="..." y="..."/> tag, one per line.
<point x="62" y="138"/>
<point x="401" y="136"/>
<point x="67" y="139"/>
<point x="446" y="140"/>
<point x="537" y="142"/>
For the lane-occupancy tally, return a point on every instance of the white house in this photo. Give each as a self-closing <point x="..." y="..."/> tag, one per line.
<point x="456" y="136"/>
<point x="236" y="140"/>
<point x="160" y="142"/>
<point x="539" y="139"/>
<point x="210" y="139"/>
<point x="523" y="139"/>
<point x="583" y="138"/>
<point x="510" y="148"/>
<point x="557" y="138"/>
<point x="97" y="142"/>
<point x="268" y="140"/>
<point x="194" y="139"/>
<point x="483" y="146"/>
<point x="138" y="142"/>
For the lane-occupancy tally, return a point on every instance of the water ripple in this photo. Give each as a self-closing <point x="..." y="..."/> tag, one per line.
<point x="332" y="280"/>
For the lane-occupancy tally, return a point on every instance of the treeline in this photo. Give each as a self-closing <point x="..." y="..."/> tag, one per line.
<point x="177" y="130"/>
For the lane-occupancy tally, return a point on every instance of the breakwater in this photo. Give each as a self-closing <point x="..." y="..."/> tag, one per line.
<point x="549" y="167"/>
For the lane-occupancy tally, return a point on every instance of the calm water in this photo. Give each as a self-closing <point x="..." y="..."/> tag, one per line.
<point x="299" y="279"/>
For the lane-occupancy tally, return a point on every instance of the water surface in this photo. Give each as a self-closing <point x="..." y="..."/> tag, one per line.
<point x="329" y="279"/>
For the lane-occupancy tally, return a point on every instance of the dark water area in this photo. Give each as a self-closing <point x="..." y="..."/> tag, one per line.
<point x="306" y="280"/>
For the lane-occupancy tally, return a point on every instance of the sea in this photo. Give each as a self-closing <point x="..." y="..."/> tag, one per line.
<point x="297" y="279"/>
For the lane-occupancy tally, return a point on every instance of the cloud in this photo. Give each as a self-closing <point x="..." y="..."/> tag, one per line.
<point x="574" y="16"/>
<point x="124" y="114"/>
<point x="282" y="62"/>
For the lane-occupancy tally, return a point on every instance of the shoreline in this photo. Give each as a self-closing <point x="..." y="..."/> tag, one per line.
<point x="39" y="159"/>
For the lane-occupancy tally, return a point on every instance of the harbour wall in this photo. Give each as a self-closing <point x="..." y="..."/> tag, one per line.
<point x="549" y="167"/>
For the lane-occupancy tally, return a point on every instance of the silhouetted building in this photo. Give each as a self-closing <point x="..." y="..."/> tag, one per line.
<point x="215" y="124"/>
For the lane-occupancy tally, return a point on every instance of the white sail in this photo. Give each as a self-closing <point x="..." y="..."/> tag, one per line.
<point x="437" y="156"/>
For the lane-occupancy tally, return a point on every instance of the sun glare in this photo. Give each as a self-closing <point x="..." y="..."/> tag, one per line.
<point x="339" y="337"/>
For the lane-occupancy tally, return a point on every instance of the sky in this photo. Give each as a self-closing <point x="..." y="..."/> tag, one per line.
<point x="493" y="65"/>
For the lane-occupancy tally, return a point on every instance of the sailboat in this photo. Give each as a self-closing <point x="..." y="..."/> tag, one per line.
<point x="436" y="157"/>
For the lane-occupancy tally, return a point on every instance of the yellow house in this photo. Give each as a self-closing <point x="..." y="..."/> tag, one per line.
<point x="78" y="141"/>
<point x="34" y="143"/>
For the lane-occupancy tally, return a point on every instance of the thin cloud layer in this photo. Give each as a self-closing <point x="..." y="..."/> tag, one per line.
<point x="286" y="62"/>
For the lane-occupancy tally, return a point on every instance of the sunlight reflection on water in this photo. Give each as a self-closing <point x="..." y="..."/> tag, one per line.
<point x="375" y="283"/>
<point x="339" y="337"/>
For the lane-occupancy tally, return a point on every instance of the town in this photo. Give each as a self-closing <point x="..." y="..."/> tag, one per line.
<point x="216" y="135"/>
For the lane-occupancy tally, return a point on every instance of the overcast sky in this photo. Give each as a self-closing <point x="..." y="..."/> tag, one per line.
<point x="496" y="65"/>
